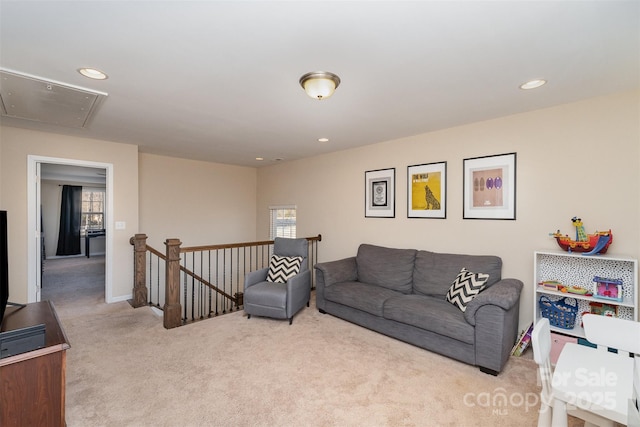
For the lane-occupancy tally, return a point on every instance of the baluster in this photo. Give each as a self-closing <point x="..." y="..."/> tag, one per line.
<point x="224" y="276"/>
<point x="193" y="292"/>
<point x="237" y="277"/>
<point x="151" y="280"/>
<point x="217" y="277"/>
<point x="158" y="282"/>
<point x="200" y="300"/>
<point x="209" y="280"/>
<point x="229" y="285"/>
<point x="185" y="296"/>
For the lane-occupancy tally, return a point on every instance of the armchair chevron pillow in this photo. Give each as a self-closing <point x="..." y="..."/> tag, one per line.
<point x="282" y="268"/>
<point x="466" y="286"/>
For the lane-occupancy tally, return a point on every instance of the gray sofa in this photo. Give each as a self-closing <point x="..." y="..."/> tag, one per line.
<point x="401" y="293"/>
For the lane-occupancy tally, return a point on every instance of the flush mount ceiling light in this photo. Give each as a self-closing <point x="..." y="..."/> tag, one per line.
<point x="319" y="84"/>
<point x="532" y="84"/>
<point x="92" y="73"/>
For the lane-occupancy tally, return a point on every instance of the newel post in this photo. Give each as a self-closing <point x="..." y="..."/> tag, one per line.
<point x="172" y="287"/>
<point x="139" y="242"/>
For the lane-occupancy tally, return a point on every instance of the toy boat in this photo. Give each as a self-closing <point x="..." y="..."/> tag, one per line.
<point x="588" y="244"/>
<point x="596" y="243"/>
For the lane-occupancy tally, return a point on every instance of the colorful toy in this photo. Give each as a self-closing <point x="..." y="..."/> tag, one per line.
<point x="603" y="309"/>
<point x="579" y="291"/>
<point x="587" y="244"/>
<point x="608" y="288"/>
<point x="550" y="285"/>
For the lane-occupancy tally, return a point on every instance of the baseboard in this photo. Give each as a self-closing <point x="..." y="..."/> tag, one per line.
<point x="121" y="298"/>
<point x="73" y="256"/>
<point x="64" y="256"/>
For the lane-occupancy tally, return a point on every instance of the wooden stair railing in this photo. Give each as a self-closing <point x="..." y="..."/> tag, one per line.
<point x="195" y="287"/>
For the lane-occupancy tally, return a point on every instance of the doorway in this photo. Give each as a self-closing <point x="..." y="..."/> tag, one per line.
<point x="73" y="261"/>
<point x="45" y="175"/>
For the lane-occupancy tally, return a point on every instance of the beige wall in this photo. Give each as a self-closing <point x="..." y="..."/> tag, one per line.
<point x="576" y="159"/>
<point x="198" y="202"/>
<point x="17" y="145"/>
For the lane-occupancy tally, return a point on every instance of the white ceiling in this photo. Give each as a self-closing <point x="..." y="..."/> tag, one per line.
<point x="71" y="173"/>
<point x="218" y="80"/>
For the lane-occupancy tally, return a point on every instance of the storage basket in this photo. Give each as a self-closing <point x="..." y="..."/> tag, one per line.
<point x="561" y="313"/>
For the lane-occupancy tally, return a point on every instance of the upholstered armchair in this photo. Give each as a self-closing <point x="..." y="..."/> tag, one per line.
<point x="282" y="289"/>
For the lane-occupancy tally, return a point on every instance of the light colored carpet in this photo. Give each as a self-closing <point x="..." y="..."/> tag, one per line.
<point x="125" y="369"/>
<point x="70" y="279"/>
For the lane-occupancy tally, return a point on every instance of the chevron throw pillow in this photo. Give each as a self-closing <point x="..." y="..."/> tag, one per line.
<point x="282" y="268"/>
<point x="466" y="286"/>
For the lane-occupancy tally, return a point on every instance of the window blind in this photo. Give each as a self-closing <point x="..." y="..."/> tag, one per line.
<point x="92" y="209"/>
<point x="282" y="221"/>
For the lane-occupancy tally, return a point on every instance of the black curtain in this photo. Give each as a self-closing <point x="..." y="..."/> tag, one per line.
<point x="70" y="217"/>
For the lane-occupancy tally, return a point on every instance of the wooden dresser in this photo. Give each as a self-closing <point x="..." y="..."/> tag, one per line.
<point x="32" y="384"/>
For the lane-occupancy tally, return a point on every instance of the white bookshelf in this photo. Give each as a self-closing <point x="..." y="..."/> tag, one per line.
<point x="575" y="269"/>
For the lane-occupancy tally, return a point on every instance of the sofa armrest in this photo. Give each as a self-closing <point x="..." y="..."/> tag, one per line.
<point x="298" y="292"/>
<point x="494" y="313"/>
<point x="504" y="294"/>
<point x="255" y="277"/>
<point x="342" y="270"/>
<point x="328" y="273"/>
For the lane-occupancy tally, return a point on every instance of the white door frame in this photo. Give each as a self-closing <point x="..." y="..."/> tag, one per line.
<point x="34" y="260"/>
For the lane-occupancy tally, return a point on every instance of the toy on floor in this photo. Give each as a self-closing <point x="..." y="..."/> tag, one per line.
<point x="587" y="244"/>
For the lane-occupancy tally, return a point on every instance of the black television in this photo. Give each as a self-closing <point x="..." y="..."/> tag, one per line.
<point x="4" y="265"/>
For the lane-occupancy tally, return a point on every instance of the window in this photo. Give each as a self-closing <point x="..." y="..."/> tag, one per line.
<point x="92" y="209"/>
<point x="283" y="221"/>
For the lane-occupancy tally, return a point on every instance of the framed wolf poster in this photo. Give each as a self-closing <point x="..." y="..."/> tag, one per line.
<point x="427" y="190"/>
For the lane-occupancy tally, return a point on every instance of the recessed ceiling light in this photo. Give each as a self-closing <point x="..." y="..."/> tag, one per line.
<point x="323" y="139"/>
<point x="532" y="84"/>
<point x="259" y="158"/>
<point x="92" y="73"/>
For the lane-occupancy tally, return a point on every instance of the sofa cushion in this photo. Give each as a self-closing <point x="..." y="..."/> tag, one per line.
<point x="434" y="272"/>
<point x="387" y="267"/>
<point x="283" y="268"/>
<point x="429" y="313"/>
<point x="466" y="286"/>
<point x="359" y="295"/>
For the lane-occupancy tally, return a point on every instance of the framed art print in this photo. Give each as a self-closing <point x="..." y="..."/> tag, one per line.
<point x="426" y="190"/>
<point x="380" y="194"/>
<point x="490" y="187"/>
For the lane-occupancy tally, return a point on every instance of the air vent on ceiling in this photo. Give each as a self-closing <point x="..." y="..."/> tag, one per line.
<point x="32" y="98"/>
